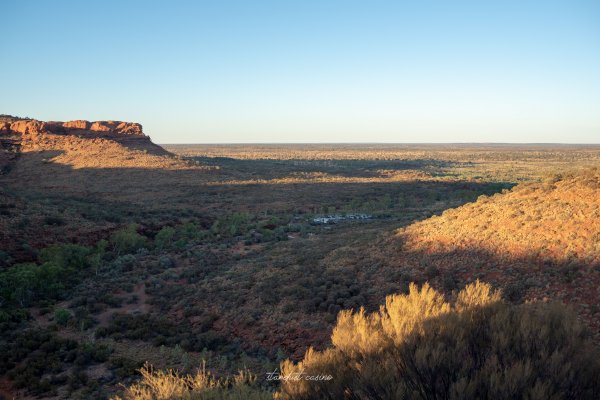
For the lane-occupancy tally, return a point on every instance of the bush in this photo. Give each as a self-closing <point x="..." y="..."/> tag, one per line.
<point x="70" y="256"/>
<point x="62" y="316"/>
<point x="166" y="262"/>
<point x="24" y="283"/>
<point x="418" y="346"/>
<point x="127" y="240"/>
<point x="61" y="267"/>
<point x="164" y="237"/>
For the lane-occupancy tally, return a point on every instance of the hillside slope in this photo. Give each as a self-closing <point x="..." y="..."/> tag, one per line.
<point x="538" y="241"/>
<point x="56" y="176"/>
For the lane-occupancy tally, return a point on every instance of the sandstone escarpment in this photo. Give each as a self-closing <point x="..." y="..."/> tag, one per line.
<point x="78" y="127"/>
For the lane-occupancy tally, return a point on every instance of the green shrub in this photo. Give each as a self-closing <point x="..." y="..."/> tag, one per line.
<point x="23" y="283"/>
<point x="96" y="258"/>
<point x="418" y="346"/>
<point x="62" y="266"/>
<point x="191" y="231"/>
<point x="166" y="262"/>
<point x="164" y="237"/>
<point x="70" y="256"/>
<point x="62" y="316"/>
<point x="127" y="240"/>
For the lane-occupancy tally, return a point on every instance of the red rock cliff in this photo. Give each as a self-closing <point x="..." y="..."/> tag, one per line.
<point x="79" y="127"/>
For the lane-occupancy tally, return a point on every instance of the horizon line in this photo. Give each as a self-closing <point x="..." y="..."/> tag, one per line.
<point x="383" y="143"/>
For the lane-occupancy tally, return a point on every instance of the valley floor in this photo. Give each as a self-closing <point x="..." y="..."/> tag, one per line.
<point x="218" y="256"/>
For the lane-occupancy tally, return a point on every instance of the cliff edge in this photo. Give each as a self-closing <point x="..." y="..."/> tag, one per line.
<point x="81" y="144"/>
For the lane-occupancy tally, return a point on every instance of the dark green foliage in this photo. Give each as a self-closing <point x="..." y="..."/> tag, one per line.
<point x="24" y="283"/>
<point x="164" y="237"/>
<point x="162" y="332"/>
<point x="127" y="240"/>
<point x="68" y="256"/>
<point x="36" y="359"/>
<point x="62" y="316"/>
<point x="61" y="266"/>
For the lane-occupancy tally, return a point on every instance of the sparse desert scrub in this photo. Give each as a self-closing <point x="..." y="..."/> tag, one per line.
<point x="499" y="163"/>
<point x="422" y="346"/>
<point x="210" y="270"/>
<point x="558" y="218"/>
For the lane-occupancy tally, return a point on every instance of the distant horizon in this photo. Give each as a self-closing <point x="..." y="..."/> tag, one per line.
<point x="380" y="143"/>
<point x="338" y="143"/>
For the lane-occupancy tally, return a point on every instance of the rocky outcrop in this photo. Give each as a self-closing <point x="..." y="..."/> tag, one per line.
<point x="77" y="127"/>
<point x="77" y="124"/>
<point x="129" y="128"/>
<point x="102" y="126"/>
<point x="126" y="128"/>
<point x="33" y="135"/>
<point x="28" y="127"/>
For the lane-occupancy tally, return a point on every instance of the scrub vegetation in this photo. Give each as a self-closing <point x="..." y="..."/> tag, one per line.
<point x="162" y="276"/>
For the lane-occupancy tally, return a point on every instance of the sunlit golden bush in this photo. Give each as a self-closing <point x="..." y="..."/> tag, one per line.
<point x="422" y="346"/>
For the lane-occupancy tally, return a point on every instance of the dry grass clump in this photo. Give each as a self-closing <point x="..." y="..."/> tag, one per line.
<point x="420" y="346"/>
<point x="170" y="385"/>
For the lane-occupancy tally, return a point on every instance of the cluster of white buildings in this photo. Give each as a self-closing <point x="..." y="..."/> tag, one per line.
<point x="332" y="219"/>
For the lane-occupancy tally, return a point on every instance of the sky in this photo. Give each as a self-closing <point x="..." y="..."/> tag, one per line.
<point x="309" y="71"/>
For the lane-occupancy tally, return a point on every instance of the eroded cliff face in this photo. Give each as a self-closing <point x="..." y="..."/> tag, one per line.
<point x="77" y="127"/>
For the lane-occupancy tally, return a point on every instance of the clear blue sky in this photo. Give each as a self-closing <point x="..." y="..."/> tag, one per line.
<point x="309" y="71"/>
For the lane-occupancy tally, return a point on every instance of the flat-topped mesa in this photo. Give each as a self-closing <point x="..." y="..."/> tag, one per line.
<point x="78" y="127"/>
